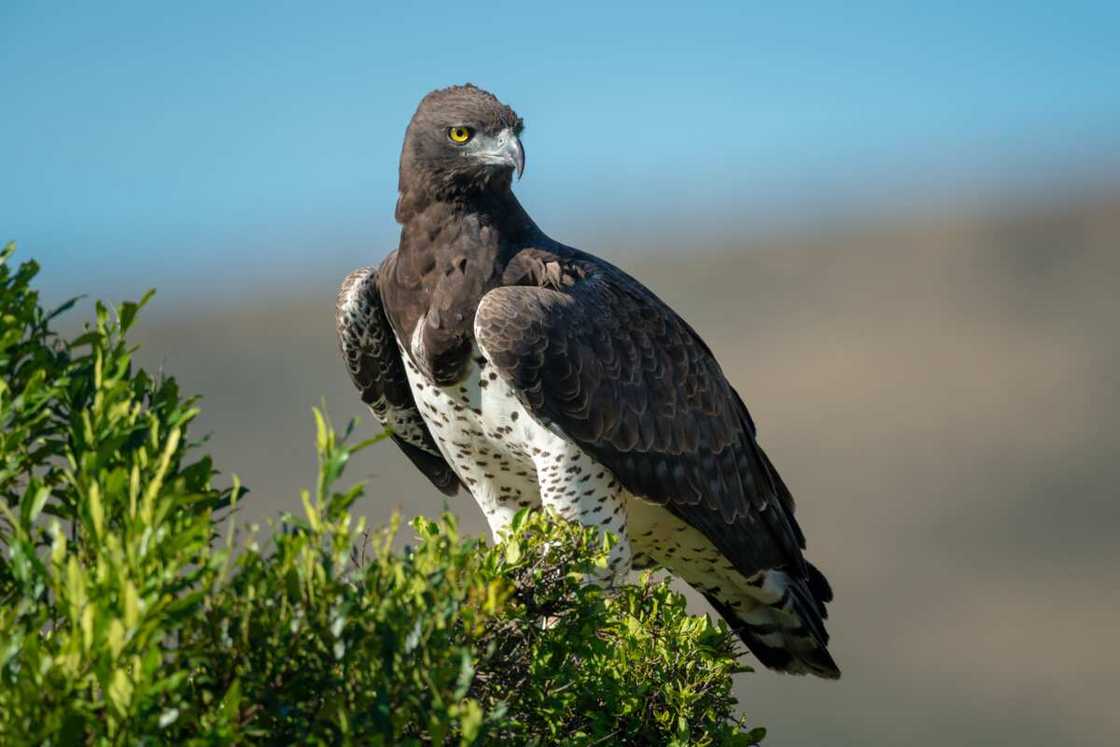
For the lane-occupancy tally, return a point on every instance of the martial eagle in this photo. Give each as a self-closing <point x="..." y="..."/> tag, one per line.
<point x="532" y="373"/>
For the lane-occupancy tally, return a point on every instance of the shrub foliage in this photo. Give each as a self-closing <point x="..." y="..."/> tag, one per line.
<point x="134" y="610"/>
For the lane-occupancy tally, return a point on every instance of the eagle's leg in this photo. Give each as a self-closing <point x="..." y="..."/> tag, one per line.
<point x="496" y="507"/>
<point x="576" y="487"/>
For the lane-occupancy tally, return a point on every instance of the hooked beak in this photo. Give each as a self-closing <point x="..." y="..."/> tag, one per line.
<point x="517" y="154"/>
<point x="506" y="151"/>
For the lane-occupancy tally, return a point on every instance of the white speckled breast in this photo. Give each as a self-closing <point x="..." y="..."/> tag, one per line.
<point x="485" y="435"/>
<point x="509" y="460"/>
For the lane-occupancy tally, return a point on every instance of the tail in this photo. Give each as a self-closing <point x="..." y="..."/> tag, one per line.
<point x="782" y="621"/>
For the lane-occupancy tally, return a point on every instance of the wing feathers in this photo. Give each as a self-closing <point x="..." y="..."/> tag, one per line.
<point x="373" y="360"/>
<point x="620" y="373"/>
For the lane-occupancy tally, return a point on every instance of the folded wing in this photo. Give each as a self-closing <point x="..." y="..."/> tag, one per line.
<point x="593" y="352"/>
<point x="373" y="360"/>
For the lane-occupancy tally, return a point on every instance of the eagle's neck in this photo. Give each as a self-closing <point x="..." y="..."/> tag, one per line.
<point x="451" y="253"/>
<point x="463" y="238"/>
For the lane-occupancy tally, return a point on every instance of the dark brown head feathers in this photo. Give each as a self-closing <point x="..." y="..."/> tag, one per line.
<point x="468" y="105"/>
<point x="435" y="169"/>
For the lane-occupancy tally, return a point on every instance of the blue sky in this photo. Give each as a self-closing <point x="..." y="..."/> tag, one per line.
<point x="190" y="137"/>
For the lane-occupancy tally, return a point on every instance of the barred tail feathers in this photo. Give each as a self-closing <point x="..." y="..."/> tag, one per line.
<point x="780" y="618"/>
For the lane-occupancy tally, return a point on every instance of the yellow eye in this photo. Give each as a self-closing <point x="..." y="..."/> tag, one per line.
<point x="460" y="135"/>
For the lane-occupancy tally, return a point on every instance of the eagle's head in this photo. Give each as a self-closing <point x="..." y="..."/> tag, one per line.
<point x="461" y="141"/>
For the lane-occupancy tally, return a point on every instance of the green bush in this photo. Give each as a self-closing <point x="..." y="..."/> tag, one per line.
<point x="128" y="616"/>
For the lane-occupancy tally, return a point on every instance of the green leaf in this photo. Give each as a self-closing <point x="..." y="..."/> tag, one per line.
<point x="30" y="509"/>
<point x="471" y="721"/>
<point x="120" y="691"/>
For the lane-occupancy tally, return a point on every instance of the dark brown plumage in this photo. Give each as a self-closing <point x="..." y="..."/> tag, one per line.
<point x="590" y="353"/>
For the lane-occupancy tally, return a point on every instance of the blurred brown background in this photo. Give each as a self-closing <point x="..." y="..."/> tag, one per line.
<point x="940" y="392"/>
<point x="897" y="224"/>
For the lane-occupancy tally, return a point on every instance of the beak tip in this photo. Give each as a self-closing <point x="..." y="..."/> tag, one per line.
<point x="520" y="160"/>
